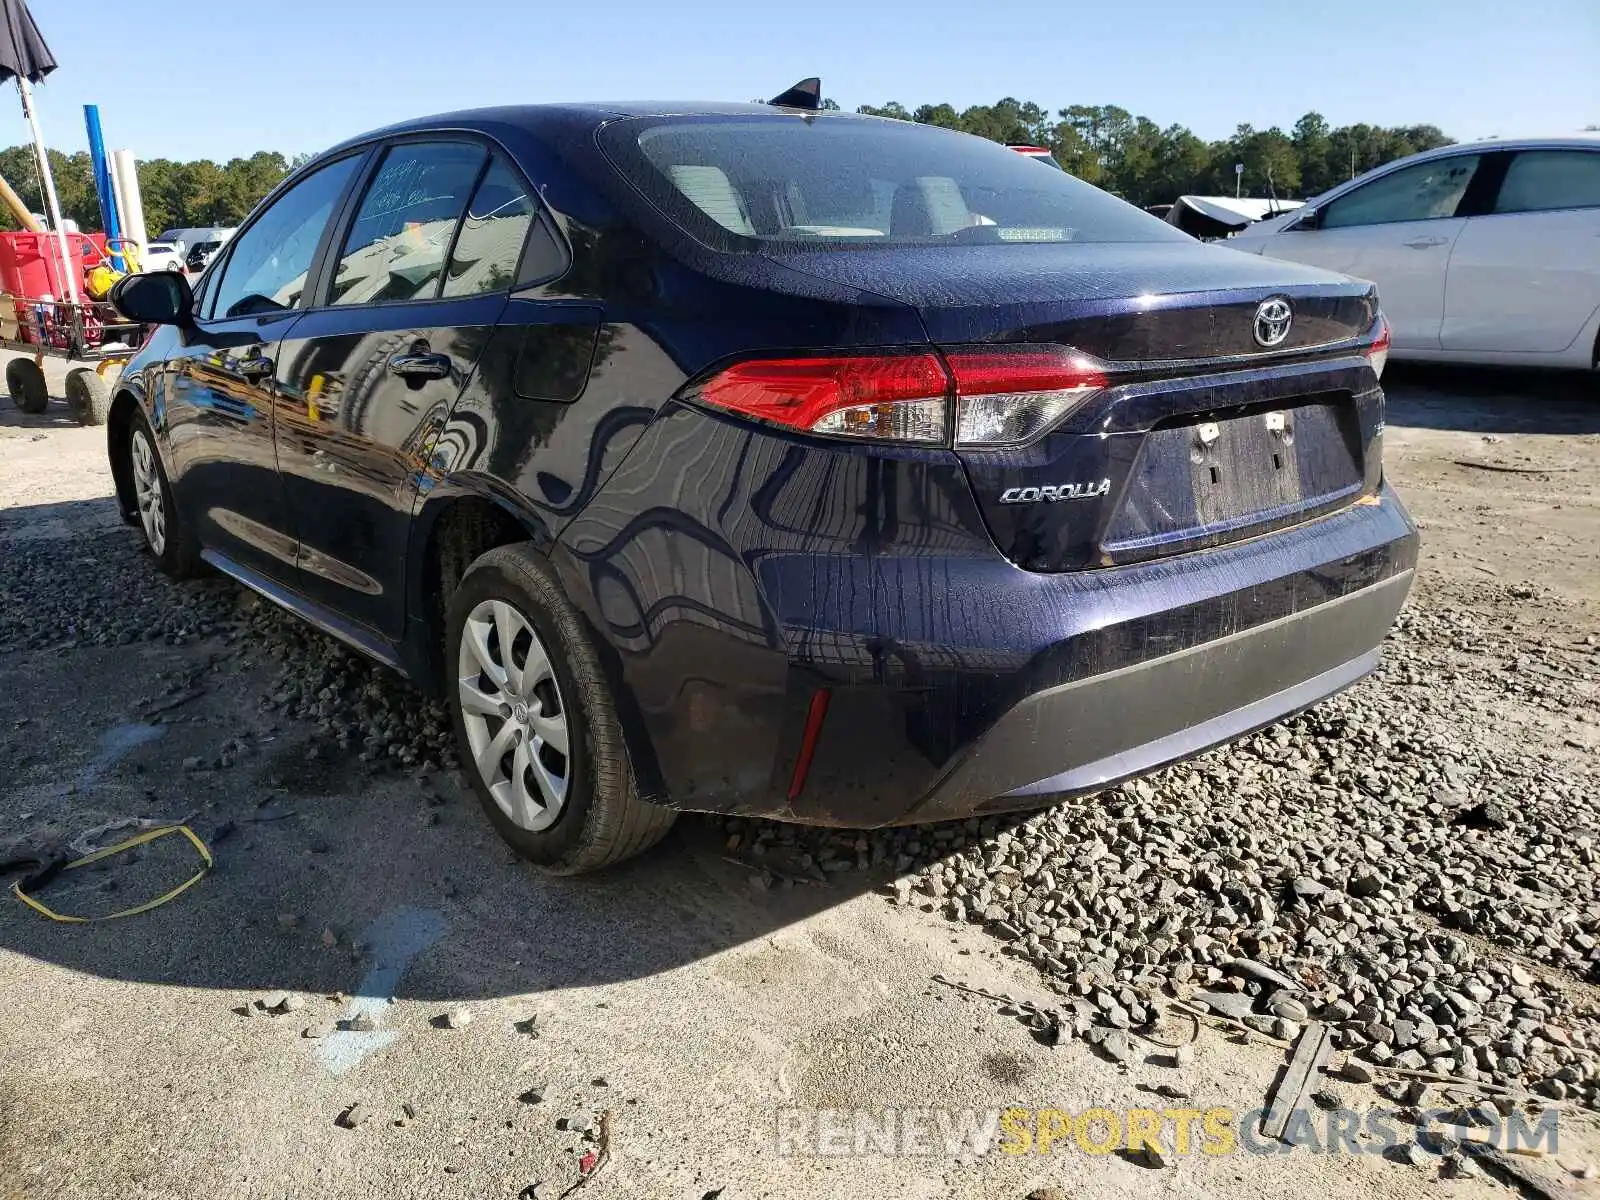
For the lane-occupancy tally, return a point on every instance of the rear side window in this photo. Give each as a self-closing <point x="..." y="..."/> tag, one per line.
<point x="1424" y="192"/>
<point x="747" y="184"/>
<point x="398" y="242"/>
<point x="490" y="242"/>
<point x="266" y="268"/>
<point x="1543" y="180"/>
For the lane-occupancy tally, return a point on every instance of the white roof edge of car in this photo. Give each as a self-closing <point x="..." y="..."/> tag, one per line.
<point x="1586" y="141"/>
<point x="1563" y="141"/>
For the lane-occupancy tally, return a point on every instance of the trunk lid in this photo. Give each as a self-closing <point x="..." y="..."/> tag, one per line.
<point x="1142" y="303"/>
<point x="1205" y="435"/>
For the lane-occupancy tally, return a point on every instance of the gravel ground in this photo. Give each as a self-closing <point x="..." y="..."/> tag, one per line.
<point x="1414" y="861"/>
<point x="1394" y="850"/>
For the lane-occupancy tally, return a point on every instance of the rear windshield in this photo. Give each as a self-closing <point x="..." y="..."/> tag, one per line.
<point x="753" y="183"/>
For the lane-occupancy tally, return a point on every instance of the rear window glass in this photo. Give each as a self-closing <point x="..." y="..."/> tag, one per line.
<point x="748" y="184"/>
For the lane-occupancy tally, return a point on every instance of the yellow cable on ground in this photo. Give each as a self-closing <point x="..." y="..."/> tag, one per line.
<point x="148" y="835"/>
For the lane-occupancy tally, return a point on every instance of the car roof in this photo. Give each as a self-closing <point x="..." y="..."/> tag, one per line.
<point x="1573" y="141"/>
<point x="595" y="112"/>
<point x="1578" y="141"/>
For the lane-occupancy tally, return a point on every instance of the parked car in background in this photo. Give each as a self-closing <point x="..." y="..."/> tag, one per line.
<point x="192" y="235"/>
<point x="200" y="256"/>
<point x="162" y="256"/>
<point x="1486" y="253"/>
<point x="750" y="458"/>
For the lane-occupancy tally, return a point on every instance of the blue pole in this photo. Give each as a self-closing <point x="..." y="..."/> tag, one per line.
<point x="102" y="179"/>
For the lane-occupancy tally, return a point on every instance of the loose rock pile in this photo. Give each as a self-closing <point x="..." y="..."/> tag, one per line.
<point x="355" y="704"/>
<point x="101" y="591"/>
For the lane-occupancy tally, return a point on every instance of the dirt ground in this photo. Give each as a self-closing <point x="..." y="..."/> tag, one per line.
<point x="671" y="993"/>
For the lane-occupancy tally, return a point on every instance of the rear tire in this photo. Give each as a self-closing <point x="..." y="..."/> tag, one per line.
<point x="171" y="543"/>
<point x="516" y="707"/>
<point x="25" y="382"/>
<point x="88" y="397"/>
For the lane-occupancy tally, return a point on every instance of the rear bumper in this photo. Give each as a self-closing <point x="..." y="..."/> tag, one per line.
<point x="768" y="572"/>
<point x="1076" y="681"/>
<point x="1088" y="733"/>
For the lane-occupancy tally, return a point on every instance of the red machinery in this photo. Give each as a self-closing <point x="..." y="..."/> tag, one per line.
<point x="36" y="319"/>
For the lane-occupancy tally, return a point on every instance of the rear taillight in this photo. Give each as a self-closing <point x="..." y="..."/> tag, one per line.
<point x="1002" y="396"/>
<point x="1378" y="352"/>
<point x="1007" y="396"/>
<point x="885" y="397"/>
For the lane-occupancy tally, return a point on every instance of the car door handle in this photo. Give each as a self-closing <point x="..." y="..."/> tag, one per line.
<point x="420" y="366"/>
<point x="1426" y="243"/>
<point x="255" y="368"/>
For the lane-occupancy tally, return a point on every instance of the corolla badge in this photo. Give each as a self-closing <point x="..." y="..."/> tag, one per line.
<point x="1273" y="318"/>
<point x="1051" y="493"/>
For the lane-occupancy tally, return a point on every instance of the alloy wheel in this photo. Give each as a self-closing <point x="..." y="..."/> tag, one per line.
<point x="514" y="715"/>
<point x="147" y="492"/>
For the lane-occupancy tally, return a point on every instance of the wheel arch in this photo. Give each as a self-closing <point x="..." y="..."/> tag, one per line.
<point x="463" y="517"/>
<point x="457" y="519"/>
<point x="126" y="400"/>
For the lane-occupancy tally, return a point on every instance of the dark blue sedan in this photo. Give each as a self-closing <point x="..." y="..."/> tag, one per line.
<point x="750" y="458"/>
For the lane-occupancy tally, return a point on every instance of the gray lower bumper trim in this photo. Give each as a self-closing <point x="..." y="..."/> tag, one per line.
<point x="1081" y="735"/>
<point x="1195" y="738"/>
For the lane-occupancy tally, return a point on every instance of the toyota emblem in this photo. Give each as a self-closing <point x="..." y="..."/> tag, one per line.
<point x="1273" y="318"/>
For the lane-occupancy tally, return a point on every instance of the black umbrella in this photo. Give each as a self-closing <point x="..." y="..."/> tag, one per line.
<point x="25" y="58"/>
<point x="22" y="48"/>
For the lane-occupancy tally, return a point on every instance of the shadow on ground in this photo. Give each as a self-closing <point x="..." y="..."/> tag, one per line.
<point x="316" y="859"/>
<point x="1492" y="400"/>
<point x="320" y="856"/>
<point x="62" y="522"/>
<point x="55" y="415"/>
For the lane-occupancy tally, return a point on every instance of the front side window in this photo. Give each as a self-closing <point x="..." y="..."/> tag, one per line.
<point x="1426" y="191"/>
<point x="398" y="242"/>
<point x="490" y="242"/>
<point x="266" y="272"/>
<point x="1543" y="180"/>
<point x="748" y="184"/>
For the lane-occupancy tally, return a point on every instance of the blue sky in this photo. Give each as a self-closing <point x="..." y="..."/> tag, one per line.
<point x="179" y="79"/>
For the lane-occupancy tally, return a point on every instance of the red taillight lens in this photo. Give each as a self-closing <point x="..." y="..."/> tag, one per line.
<point x="895" y="397"/>
<point x="1378" y="352"/>
<point x="1004" y="396"/>
<point x="1007" y="396"/>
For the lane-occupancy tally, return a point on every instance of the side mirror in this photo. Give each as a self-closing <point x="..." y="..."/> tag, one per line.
<point x="154" y="298"/>
<point x="1311" y="218"/>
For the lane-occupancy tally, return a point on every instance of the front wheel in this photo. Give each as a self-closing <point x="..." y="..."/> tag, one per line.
<point x="169" y="540"/>
<point x="535" y="723"/>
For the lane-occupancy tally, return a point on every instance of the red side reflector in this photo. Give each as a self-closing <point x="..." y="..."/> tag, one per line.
<point x="800" y="392"/>
<point x="808" y="741"/>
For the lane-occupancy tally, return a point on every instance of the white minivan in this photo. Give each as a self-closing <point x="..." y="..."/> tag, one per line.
<point x="1486" y="253"/>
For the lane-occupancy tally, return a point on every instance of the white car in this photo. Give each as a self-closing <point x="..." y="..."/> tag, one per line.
<point x="1486" y="253"/>
<point x="162" y="256"/>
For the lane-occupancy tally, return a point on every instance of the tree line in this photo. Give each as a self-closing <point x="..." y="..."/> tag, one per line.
<point x="174" y="194"/>
<point x="1130" y="156"/>
<point x="1143" y="163"/>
